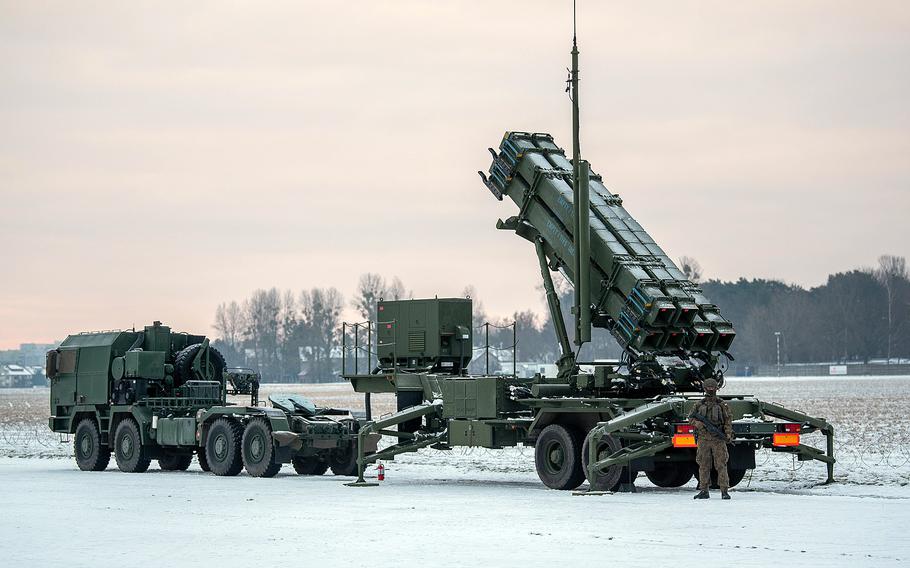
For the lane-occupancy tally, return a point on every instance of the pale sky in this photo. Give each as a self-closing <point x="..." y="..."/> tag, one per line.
<point x="158" y="158"/>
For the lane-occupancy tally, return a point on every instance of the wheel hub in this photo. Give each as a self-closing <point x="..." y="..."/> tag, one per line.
<point x="85" y="445"/>
<point x="256" y="448"/>
<point x="220" y="447"/>
<point x="126" y="446"/>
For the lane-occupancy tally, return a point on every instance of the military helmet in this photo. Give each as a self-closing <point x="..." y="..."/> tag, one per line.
<point x="709" y="384"/>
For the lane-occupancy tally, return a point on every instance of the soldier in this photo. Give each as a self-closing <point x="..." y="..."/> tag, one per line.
<point x="712" y="448"/>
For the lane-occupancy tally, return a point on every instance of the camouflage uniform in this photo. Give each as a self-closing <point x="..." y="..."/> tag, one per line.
<point x="712" y="450"/>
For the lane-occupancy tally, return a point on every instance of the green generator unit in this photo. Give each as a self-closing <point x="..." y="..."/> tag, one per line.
<point x="426" y="334"/>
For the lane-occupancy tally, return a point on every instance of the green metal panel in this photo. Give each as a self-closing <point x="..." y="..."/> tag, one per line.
<point x="176" y="431"/>
<point x="480" y="433"/>
<point x="145" y="364"/>
<point x="420" y="333"/>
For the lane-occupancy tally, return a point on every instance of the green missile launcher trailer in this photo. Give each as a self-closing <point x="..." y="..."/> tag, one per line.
<point x="603" y="421"/>
<point x="158" y="394"/>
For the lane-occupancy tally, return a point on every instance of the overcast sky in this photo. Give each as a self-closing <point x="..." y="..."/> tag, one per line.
<point x="159" y="158"/>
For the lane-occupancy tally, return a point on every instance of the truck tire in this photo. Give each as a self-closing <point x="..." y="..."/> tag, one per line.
<point x="128" y="450"/>
<point x="344" y="461"/>
<point x="175" y="462"/>
<point x="735" y="475"/>
<point x="222" y="447"/>
<point x="670" y="474"/>
<point x="259" y="449"/>
<point x="310" y="466"/>
<point x="557" y="457"/>
<point x="90" y="454"/>
<point x="183" y="363"/>
<point x="203" y="463"/>
<point x="608" y="480"/>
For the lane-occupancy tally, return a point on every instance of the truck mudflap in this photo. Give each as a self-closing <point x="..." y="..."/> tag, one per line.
<point x="613" y="444"/>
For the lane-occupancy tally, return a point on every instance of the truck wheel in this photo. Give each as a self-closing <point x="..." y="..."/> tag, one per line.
<point x="175" y="462"/>
<point x="610" y="479"/>
<point x="222" y="447"/>
<point x="310" y="466"/>
<point x="90" y="454"/>
<point x="128" y="449"/>
<point x="735" y="475"/>
<point x="259" y="450"/>
<point x="670" y="475"/>
<point x="557" y="457"/>
<point x="203" y="463"/>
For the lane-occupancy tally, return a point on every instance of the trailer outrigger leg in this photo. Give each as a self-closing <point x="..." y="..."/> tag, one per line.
<point x="409" y="441"/>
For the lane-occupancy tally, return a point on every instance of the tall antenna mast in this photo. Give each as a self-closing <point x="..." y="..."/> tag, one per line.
<point x="580" y="194"/>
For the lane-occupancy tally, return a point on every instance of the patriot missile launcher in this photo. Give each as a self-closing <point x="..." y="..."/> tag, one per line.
<point x="637" y="292"/>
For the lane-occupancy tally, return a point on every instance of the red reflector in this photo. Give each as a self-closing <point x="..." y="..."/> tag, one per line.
<point x="388" y="326"/>
<point x="785" y="440"/>
<point x="381" y="308"/>
<point x="684" y="441"/>
<point x="684" y="429"/>
<point x="792" y="428"/>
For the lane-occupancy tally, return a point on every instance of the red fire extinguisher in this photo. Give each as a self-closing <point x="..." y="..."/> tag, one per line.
<point x="381" y="476"/>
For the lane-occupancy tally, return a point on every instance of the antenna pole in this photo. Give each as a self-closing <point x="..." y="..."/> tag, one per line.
<point x="580" y="194"/>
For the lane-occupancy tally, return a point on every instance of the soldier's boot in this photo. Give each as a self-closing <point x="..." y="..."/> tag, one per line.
<point x="724" y="495"/>
<point x="703" y="495"/>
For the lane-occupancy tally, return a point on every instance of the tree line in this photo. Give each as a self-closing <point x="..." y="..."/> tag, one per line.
<point x="858" y="315"/>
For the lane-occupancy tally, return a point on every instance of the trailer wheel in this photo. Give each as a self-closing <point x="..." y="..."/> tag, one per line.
<point x="128" y="450"/>
<point x="90" y="454"/>
<point x="557" y="457"/>
<point x="310" y="466"/>
<point x="203" y="463"/>
<point x="610" y="479"/>
<point x="175" y="462"/>
<point x="259" y="450"/>
<point x="670" y="474"/>
<point x="344" y="462"/>
<point x="735" y="475"/>
<point x="222" y="447"/>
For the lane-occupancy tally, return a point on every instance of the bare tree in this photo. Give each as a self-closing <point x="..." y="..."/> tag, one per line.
<point x="891" y="269"/>
<point x="229" y="323"/>
<point x="396" y="290"/>
<point x="320" y="318"/>
<point x="370" y="288"/>
<point x="691" y="268"/>
<point x="261" y="315"/>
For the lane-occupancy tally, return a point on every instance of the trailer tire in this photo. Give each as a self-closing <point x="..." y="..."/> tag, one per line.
<point x="557" y="458"/>
<point x="611" y="479"/>
<point x="344" y="462"/>
<point x="259" y="449"/>
<point x="175" y="462"/>
<point x="128" y="451"/>
<point x="88" y="450"/>
<point x="310" y="466"/>
<point x="222" y="447"/>
<point x="670" y="474"/>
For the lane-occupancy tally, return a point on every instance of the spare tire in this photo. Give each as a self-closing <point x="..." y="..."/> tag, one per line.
<point x="183" y="364"/>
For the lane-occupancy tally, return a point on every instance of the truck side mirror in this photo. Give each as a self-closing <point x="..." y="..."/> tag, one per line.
<point x="50" y="366"/>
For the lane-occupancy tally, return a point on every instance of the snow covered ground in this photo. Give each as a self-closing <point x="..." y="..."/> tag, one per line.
<point x="467" y="507"/>
<point x="55" y="515"/>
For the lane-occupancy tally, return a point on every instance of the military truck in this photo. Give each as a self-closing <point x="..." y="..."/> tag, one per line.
<point x="156" y="394"/>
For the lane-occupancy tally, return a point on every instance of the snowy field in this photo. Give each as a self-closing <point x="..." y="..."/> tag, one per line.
<point x="467" y="507"/>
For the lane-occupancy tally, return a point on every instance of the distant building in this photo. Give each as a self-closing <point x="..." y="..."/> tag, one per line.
<point x="21" y="376"/>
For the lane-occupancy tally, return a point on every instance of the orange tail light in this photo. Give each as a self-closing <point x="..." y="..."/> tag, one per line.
<point x="785" y="440"/>
<point x="684" y="441"/>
